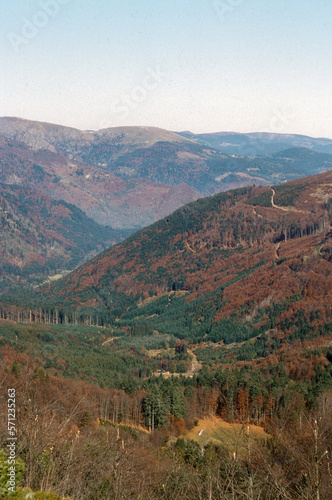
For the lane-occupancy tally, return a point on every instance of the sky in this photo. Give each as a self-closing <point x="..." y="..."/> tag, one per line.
<point x="197" y="65"/>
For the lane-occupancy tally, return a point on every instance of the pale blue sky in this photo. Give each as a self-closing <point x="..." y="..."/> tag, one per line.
<point x="199" y="65"/>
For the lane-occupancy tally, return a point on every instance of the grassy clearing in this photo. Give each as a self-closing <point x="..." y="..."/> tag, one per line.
<point x="234" y="437"/>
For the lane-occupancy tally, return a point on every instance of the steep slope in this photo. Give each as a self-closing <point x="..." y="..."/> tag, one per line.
<point x="103" y="196"/>
<point x="241" y="254"/>
<point x="41" y="236"/>
<point x="258" y="143"/>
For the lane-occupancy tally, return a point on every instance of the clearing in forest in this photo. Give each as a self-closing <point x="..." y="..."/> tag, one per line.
<point x="234" y="437"/>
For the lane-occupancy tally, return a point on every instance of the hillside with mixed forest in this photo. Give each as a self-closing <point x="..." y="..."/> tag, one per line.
<point x="124" y="178"/>
<point x="192" y="360"/>
<point x="105" y="197"/>
<point x="249" y="254"/>
<point x="41" y="236"/>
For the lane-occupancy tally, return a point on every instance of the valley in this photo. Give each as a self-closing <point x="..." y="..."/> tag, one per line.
<point x="194" y="351"/>
<point x="165" y="250"/>
<point x="124" y="179"/>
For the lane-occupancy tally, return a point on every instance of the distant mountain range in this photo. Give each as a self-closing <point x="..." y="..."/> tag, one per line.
<point x="258" y="143"/>
<point x="105" y="197"/>
<point x="245" y="254"/>
<point x="163" y="157"/>
<point x="128" y="177"/>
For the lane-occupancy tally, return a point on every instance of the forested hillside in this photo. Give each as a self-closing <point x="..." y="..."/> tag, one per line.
<point x="105" y="197"/>
<point x="125" y="178"/>
<point x="249" y="255"/>
<point x="90" y="397"/>
<point x="41" y="236"/>
<point x="192" y="360"/>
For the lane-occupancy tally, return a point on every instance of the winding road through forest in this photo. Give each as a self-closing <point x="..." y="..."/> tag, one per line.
<point x="285" y="209"/>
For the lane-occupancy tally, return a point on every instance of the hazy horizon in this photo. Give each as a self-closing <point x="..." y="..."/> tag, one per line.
<point x="205" y="67"/>
<point x="174" y="131"/>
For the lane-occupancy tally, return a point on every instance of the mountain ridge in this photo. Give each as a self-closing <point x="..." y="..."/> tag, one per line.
<point x="104" y="196"/>
<point x="165" y="157"/>
<point x="258" y="143"/>
<point x="130" y="177"/>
